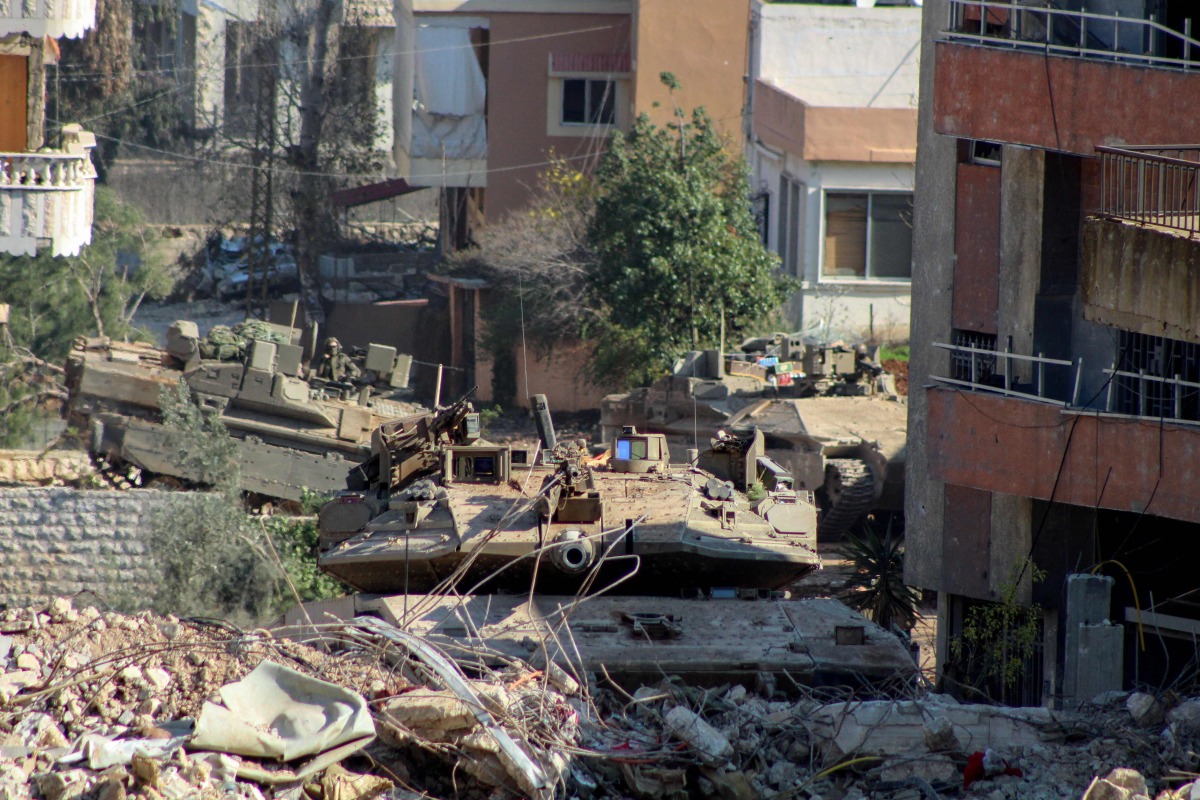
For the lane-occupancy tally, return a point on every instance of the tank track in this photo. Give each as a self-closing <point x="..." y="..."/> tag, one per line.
<point x="856" y="497"/>
<point x="115" y="474"/>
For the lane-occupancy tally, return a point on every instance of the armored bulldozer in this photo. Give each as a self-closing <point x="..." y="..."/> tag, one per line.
<point x="828" y="413"/>
<point x="436" y="507"/>
<point x="291" y="433"/>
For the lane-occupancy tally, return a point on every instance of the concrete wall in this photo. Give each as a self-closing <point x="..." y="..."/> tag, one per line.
<point x="824" y="305"/>
<point x="519" y="141"/>
<point x="560" y="375"/>
<point x="834" y="98"/>
<point x="823" y="133"/>
<point x="1015" y="447"/>
<point x="63" y="541"/>
<point x="932" y="295"/>
<point x="1140" y="279"/>
<point x="1022" y="179"/>
<point x="182" y="191"/>
<point x="1064" y="104"/>
<point x="704" y="43"/>
<point x="842" y="55"/>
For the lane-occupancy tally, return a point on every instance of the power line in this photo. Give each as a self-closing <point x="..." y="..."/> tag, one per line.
<point x="238" y="165"/>
<point x="416" y="51"/>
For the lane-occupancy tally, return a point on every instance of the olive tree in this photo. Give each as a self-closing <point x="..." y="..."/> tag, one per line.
<point x="678" y="259"/>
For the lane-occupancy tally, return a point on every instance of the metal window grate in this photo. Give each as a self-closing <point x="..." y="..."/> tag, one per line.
<point x="984" y="366"/>
<point x="1156" y="377"/>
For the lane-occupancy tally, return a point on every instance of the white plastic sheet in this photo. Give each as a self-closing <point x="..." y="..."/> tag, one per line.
<point x="451" y="95"/>
<point x="449" y="80"/>
<point x="279" y="713"/>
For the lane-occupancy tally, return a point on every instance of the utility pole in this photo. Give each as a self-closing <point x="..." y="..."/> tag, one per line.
<point x="262" y="160"/>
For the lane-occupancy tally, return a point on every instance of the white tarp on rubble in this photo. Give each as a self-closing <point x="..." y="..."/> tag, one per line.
<point x="450" y="96"/>
<point x="279" y="713"/>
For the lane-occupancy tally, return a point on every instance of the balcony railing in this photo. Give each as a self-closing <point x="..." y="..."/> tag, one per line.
<point x="1125" y="393"/>
<point x="53" y="18"/>
<point x="67" y="169"/>
<point x="1042" y="27"/>
<point x="1143" y="395"/>
<point x="45" y="171"/>
<point x="1157" y="186"/>
<point x="46" y="198"/>
<point x="994" y="370"/>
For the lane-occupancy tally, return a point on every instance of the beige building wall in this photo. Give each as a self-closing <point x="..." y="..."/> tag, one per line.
<point x="703" y="42"/>
<point x="520" y="94"/>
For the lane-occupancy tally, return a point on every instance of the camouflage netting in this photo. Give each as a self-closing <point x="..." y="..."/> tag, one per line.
<point x="229" y="344"/>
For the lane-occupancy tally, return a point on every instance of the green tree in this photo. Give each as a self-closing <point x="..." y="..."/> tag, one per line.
<point x="54" y="300"/>
<point x="678" y="255"/>
<point x="209" y="555"/>
<point x="649" y="258"/>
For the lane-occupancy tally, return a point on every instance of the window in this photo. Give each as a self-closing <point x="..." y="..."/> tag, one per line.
<point x="760" y="206"/>
<point x="984" y="153"/>
<point x="973" y="367"/>
<point x="868" y="235"/>
<point x="628" y="449"/>
<point x="790" y="225"/>
<point x="589" y="102"/>
<point x="1157" y="357"/>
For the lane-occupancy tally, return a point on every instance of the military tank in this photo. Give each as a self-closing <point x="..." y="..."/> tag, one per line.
<point x="291" y="434"/>
<point x="436" y="507"/>
<point x="829" y="414"/>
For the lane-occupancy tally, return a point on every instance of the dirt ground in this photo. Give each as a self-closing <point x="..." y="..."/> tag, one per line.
<point x="155" y="318"/>
<point x="900" y="370"/>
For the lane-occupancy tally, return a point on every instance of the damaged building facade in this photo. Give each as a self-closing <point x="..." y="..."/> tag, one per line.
<point x="500" y="87"/>
<point x="214" y="51"/>
<point x="1056" y="359"/>
<point x="46" y="192"/>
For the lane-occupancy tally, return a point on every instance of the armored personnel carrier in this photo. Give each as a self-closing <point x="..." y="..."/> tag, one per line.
<point x="828" y="413"/>
<point x="291" y="434"/>
<point x="437" y="507"/>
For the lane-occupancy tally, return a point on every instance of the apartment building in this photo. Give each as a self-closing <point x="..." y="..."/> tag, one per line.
<point x="46" y="192"/>
<point x="832" y="129"/>
<point x="214" y="50"/>
<point x="488" y="90"/>
<point x="1055" y="367"/>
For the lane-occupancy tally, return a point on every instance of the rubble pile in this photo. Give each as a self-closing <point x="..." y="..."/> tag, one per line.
<point x="105" y="706"/>
<point x="736" y="744"/>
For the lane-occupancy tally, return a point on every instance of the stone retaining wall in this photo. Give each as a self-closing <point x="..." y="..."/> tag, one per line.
<point x="59" y="541"/>
<point x="35" y="466"/>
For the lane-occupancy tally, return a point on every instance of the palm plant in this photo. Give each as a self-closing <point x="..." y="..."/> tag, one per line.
<point x="877" y="586"/>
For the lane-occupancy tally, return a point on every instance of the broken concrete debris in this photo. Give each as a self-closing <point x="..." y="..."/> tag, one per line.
<point x="109" y="706"/>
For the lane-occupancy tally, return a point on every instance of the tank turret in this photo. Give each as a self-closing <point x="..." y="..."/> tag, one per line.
<point x="829" y="413"/>
<point x="291" y="433"/>
<point x="435" y="505"/>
